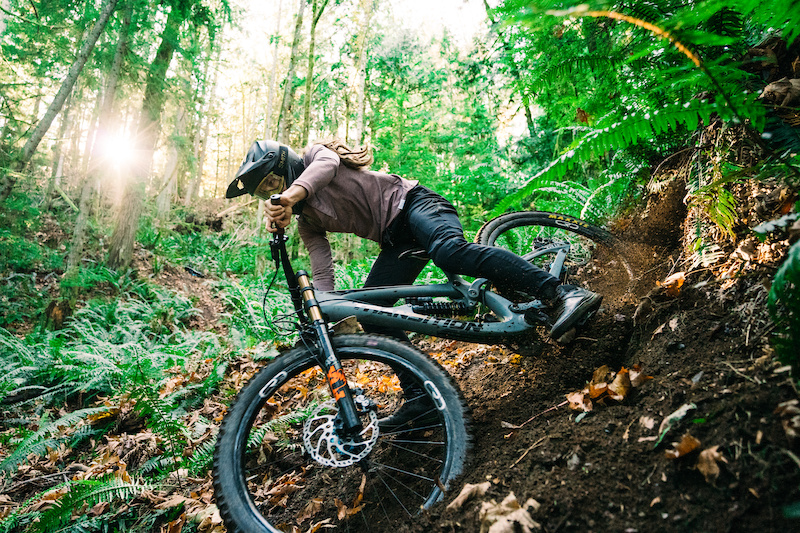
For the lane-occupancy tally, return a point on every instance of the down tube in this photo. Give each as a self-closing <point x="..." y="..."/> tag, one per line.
<point x="337" y="306"/>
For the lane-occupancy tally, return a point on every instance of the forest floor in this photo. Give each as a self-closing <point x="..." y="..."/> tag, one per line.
<point x="716" y="389"/>
<point x="614" y="468"/>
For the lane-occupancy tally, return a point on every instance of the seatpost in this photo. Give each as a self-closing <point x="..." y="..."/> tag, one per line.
<point x="304" y="298"/>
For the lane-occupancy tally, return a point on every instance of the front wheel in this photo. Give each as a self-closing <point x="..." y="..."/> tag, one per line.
<point x="281" y="464"/>
<point x="572" y="249"/>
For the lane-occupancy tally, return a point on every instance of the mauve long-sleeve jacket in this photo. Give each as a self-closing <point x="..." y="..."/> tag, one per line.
<point x="344" y="200"/>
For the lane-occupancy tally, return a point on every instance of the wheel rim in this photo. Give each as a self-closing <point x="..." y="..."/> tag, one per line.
<point x="288" y="486"/>
<point x="590" y="262"/>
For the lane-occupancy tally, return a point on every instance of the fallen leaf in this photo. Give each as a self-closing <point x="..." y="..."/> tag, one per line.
<point x="509" y="516"/>
<point x="647" y="422"/>
<point x="319" y="525"/>
<point x="638" y="376"/>
<point x="672" y="284"/>
<point x="311" y="508"/>
<point x="655" y="501"/>
<point x="467" y="493"/>
<point x="687" y="445"/>
<point x="579" y="401"/>
<point x="672" y="419"/>
<point x="708" y="463"/>
<point x="618" y="389"/>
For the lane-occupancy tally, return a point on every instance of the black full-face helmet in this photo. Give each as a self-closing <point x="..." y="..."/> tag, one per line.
<point x="264" y="163"/>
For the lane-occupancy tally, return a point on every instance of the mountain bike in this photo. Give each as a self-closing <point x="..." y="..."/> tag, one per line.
<point x="301" y="446"/>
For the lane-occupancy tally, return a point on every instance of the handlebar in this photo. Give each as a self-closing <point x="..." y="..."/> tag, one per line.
<point x="275" y="199"/>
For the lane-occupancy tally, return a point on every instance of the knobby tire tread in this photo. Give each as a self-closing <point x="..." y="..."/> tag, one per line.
<point x="232" y="496"/>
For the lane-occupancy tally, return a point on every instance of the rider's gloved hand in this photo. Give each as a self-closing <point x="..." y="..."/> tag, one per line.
<point x="280" y="216"/>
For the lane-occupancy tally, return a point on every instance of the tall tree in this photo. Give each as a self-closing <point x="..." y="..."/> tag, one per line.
<point x="317" y="8"/>
<point x="22" y="160"/>
<point x="367" y="9"/>
<point x="127" y="221"/>
<point x="285" y="118"/>
<point x="103" y="129"/>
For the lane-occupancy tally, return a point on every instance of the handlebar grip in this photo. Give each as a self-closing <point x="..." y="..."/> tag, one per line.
<point x="275" y="199"/>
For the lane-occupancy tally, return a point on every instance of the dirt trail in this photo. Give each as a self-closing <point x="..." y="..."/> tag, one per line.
<point x="707" y="350"/>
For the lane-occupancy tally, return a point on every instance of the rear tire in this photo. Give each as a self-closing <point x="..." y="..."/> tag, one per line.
<point x="267" y="480"/>
<point x="594" y="261"/>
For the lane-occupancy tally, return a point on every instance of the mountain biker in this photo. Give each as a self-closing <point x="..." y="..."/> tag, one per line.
<point x="330" y="189"/>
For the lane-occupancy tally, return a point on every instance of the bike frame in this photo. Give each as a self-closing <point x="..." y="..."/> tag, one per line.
<point x="366" y="305"/>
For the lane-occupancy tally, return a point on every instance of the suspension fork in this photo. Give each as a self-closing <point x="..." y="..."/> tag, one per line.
<point x="328" y="360"/>
<point x="303" y="298"/>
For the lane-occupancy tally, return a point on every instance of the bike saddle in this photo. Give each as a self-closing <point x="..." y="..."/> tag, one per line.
<point x="415" y="253"/>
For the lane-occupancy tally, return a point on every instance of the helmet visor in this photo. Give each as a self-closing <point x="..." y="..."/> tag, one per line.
<point x="271" y="184"/>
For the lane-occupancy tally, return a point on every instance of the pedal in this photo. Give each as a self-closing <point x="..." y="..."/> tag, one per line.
<point x="535" y="316"/>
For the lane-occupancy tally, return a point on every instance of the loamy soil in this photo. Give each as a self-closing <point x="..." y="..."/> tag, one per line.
<point x="705" y="347"/>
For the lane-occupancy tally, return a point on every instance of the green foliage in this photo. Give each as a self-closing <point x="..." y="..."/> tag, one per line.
<point x="108" y="345"/>
<point x="49" y="435"/>
<point x="784" y="307"/>
<point x="20" y="249"/>
<point x="87" y="492"/>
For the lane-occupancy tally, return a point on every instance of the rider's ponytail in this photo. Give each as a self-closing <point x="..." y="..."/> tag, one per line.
<point x="359" y="158"/>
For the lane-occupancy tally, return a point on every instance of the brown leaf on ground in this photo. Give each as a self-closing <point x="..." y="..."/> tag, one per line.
<point x="619" y="388"/>
<point x="687" y="445"/>
<point x="312" y="508"/>
<point x="672" y="284"/>
<point x="467" y="493"/>
<point x="708" y="463"/>
<point x="579" y="401"/>
<point x="319" y="525"/>
<point x="638" y="377"/>
<point x="509" y="516"/>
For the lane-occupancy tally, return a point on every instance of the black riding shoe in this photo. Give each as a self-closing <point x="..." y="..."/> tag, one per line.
<point x="417" y="412"/>
<point x="572" y="305"/>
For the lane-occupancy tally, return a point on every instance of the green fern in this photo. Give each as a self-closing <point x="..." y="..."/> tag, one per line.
<point x="87" y="492"/>
<point x="631" y="129"/>
<point x="38" y="442"/>
<point x="784" y="307"/>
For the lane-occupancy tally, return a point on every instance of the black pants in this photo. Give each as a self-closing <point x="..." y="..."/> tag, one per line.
<point x="429" y="221"/>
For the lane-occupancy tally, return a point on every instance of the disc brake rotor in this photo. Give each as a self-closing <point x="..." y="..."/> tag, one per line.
<point x="325" y="446"/>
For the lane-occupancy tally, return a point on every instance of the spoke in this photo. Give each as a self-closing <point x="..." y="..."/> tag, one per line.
<point x="404" y="472"/>
<point x="423" y="498"/>
<point x="395" y="495"/>
<point x="415" y="453"/>
<point x="412" y="429"/>
<point x="437" y="443"/>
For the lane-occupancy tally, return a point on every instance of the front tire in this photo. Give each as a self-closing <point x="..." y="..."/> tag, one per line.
<point x="265" y="479"/>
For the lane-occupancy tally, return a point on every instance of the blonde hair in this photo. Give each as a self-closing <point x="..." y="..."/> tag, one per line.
<point x="359" y="158"/>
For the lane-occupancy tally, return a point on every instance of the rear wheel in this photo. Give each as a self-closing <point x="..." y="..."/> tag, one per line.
<point x="282" y="465"/>
<point x="583" y="254"/>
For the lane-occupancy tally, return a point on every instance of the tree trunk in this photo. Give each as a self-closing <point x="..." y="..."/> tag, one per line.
<point x="170" y="184"/>
<point x="316" y="13"/>
<point x="367" y="9"/>
<point x="285" y="118"/>
<point x="201" y="139"/>
<point x="103" y="127"/>
<point x="122" y="239"/>
<point x="58" y="154"/>
<point x="41" y="128"/>
<point x="271" y="84"/>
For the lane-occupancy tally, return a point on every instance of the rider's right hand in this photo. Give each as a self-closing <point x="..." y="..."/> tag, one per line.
<point x="278" y="216"/>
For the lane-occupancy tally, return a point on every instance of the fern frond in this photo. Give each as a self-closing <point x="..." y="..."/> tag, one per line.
<point x="88" y="492"/>
<point x="41" y="439"/>
<point x="200" y="460"/>
<point x="630" y="130"/>
<point x="566" y="68"/>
